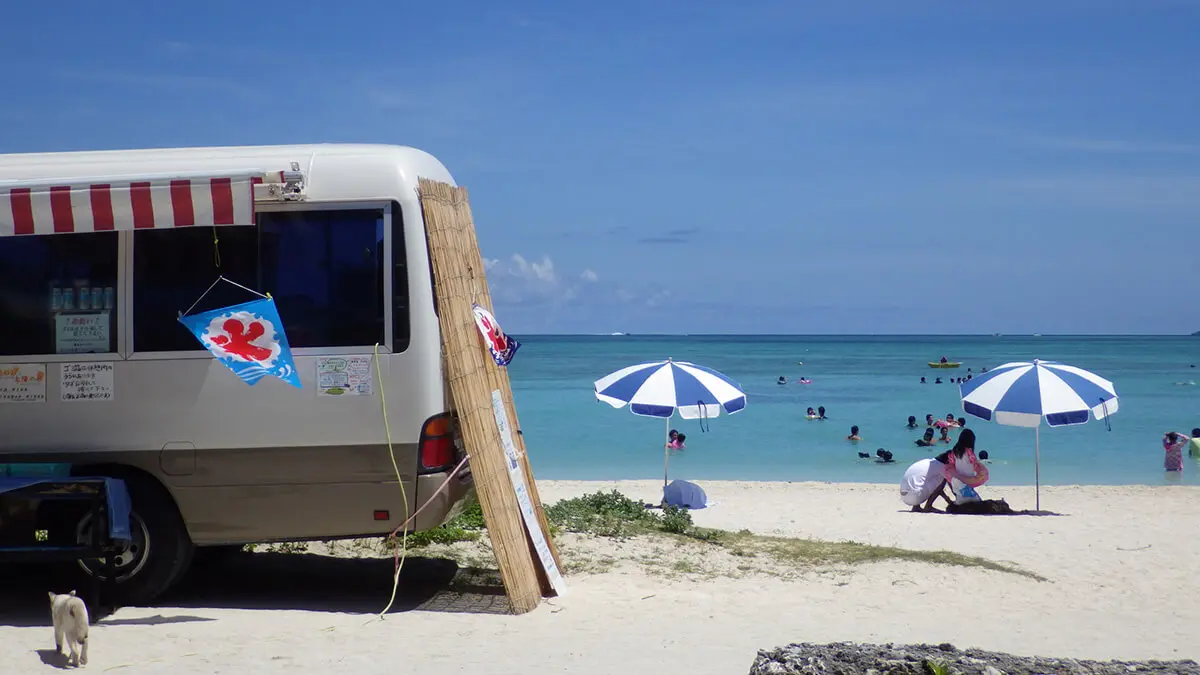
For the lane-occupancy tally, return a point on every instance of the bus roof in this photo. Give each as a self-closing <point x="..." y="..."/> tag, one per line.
<point x="333" y="171"/>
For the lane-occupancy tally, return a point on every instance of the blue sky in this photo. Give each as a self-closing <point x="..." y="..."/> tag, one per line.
<point x="763" y="166"/>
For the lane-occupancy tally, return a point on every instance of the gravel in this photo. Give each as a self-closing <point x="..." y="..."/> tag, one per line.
<point x="848" y="658"/>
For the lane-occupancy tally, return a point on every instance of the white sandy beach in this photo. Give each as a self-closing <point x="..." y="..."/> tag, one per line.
<point x="1121" y="562"/>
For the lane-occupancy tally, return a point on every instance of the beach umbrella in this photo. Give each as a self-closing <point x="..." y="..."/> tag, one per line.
<point x="665" y="388"/>
<point x="1022" y="394"/>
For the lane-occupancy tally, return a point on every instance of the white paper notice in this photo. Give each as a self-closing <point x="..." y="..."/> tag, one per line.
<point x="344" y="376"/>
<point x="87" y="381"/>
<point x="81" y="333"/>
<point x="518" y="481"/>
<point x="22" y="383"/>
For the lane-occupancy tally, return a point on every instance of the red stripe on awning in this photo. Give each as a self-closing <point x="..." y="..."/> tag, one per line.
<point x="33" y="207"/>
<point x="143" y="205"/>
<point x="222" y="198"/>
<point x="22" y="210"/>
<point x="102" y="208"/>
<point x="60" y="209"/>
<point x="181" y="203"/>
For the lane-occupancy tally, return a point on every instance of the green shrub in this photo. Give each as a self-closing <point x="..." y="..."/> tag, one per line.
<point x="676" y="520"/>
<point x="445" y="534"/>
<point x="606" y="514"/>
<point x="470" y="519"/>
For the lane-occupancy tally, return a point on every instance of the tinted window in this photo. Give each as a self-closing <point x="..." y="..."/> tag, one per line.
<point x="325" y="271"/>
<point x="400" y="326"/>
<point x="58" y="294"/>
<point x="323" y="268"/>
<point x="172" y="268"/>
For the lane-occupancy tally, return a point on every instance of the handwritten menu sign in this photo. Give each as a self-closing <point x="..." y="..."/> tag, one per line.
<point x="81" y="333"/>
<point x="344" y="376"/>
<point x="22" y="383"/>
<point x="89" y="381"/>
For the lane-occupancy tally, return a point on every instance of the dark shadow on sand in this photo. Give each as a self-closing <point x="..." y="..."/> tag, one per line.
<point x="1025" y="512"/>
<point x="53" y="658"/>
<point x="156" y="620"/>
<point x="24" y="587"/>
<point x="308" y="581"/>
<point x="302" y="581"/>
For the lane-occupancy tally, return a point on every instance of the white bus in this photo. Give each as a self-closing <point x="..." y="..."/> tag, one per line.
<point x="100" y="252"/>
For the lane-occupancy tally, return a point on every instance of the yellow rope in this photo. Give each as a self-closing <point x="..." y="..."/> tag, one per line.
<point x="403" y="552"/>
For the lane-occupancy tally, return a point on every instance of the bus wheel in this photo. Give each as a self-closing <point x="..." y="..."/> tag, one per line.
<point x="159" y="552"/>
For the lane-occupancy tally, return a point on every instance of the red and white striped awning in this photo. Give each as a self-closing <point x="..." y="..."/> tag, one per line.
<point x="106" y="205"/>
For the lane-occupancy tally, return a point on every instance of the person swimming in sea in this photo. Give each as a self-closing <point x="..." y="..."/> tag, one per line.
<point x="948" y="422"/>
<point x="912" y="421"/>
<point x="929" y="420"/>
<point x="854" y="434"/>
<point x="781" y="380"/>
<point x="926" y="440"/>
<point x="821" y="412"/>
<point x="676" y="440"/>
<point x="811" y="414"/>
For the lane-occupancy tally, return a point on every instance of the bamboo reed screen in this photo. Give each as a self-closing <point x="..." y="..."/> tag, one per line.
<point x="459" y="281"/>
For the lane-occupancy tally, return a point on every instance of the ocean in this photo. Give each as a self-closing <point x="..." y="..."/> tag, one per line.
<point x="869" y="381"/>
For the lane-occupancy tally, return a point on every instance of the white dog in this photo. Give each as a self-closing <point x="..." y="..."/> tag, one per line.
<point x="70" y="617"/>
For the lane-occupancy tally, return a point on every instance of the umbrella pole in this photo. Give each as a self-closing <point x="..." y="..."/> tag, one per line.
<point x="1037" y="466"/>
<point x="666" y="450"/>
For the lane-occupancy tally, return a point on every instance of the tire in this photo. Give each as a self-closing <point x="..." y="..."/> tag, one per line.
<point x="161" y="550"/>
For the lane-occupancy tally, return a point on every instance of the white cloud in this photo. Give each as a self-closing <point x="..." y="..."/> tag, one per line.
<point x="540" y="271"/>
<point x="518" y="279"/>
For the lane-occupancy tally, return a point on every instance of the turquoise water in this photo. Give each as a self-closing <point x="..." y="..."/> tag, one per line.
<point x="869" y="381"/>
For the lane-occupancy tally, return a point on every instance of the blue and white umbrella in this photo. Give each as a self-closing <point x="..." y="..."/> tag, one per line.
<point x="1021" y="394"/>
<point x="664" y="388"/>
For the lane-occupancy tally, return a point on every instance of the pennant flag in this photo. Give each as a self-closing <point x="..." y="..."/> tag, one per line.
<point x="247" y="338"/>
<point x="502" y="347"/>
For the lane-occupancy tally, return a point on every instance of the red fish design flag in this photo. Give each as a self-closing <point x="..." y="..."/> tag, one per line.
<point x="503" y="347"/>
<point x="247" y="338"/>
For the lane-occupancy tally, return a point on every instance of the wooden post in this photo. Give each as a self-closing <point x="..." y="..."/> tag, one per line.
<point x="459" y="282"/>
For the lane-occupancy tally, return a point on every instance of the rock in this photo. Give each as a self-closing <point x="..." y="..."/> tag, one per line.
<point x="847" y="658"/>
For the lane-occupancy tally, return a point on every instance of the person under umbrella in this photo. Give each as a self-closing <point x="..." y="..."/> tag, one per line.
<point x="665" y="388"/>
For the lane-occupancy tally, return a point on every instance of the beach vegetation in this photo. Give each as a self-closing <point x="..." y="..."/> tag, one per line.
<point x="938" y="668"/>
<point x="613" y="515"/>
<point x="466" y="526"/>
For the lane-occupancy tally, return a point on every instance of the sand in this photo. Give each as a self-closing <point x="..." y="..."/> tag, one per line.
<point x="1121" y="564"/>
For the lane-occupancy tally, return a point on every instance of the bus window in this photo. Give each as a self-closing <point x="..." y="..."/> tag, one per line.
<point x="58" y="294"/>
<point x="172" y="268"/>
<point x="401" y="333"/>
<point x="324" y="270"/>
